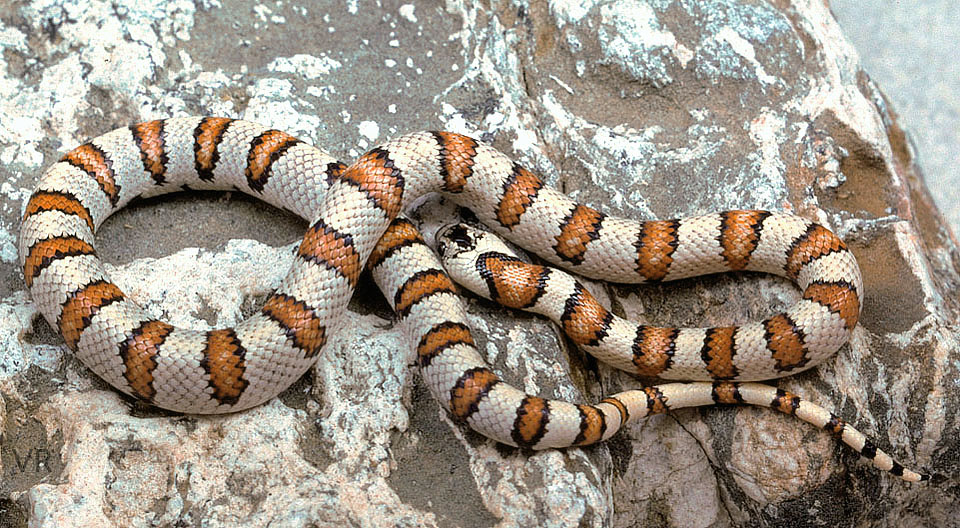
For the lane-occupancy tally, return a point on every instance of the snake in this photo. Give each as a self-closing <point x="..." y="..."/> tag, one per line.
<point x="355" y="222"/>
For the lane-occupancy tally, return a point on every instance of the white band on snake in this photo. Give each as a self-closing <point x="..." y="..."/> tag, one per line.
<point x="353" y="213"/>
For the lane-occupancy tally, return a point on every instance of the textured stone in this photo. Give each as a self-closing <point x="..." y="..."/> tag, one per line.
<point x="640" y="108"/>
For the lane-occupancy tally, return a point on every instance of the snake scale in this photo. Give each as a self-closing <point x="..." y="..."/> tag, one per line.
<point x="353" y="213"/>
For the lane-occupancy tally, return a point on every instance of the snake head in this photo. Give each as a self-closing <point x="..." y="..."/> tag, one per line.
<point x="455" y="238"/>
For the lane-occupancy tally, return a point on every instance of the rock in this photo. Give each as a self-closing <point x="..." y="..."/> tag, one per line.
<point x="640" y="108"/>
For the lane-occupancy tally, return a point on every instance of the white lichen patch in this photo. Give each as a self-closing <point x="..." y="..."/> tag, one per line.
<point x="766" y="130"/>
<point x="745" y="49"/>
<point x="17" y="314"/>
<point x="408" y="12"/>
<point x="119" y="48"/>
<point x="257" y="455"/>
<point x="633" y="38"/>
<point x="571" y="498"/>
<point x="8" y="247"/>
<point x="362" y="374"/>
<point x="118" y="54"/>
<point x="205" y="281"/>
<point x="454" y="121"/>
<point x="570" y="11"/>
<point x="275" y="103"/>
<point x="733" y="36"/>
<point x="308" y="67"/>
<point x="369" y="130"/>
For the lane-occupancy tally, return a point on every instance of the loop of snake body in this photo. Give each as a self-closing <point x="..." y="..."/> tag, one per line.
<point x="353" y="214"/>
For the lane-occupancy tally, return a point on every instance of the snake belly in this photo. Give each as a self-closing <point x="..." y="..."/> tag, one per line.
<point x="350" y="209"/>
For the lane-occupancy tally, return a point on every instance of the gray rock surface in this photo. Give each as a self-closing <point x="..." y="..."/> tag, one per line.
<point x="642" y="108"/>
<point x="910" y="48"/>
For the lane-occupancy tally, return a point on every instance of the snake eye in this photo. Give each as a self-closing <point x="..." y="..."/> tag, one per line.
<point x="458" y="235"/>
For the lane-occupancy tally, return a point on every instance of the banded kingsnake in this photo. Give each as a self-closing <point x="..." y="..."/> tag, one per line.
<point x="353" y="211"/>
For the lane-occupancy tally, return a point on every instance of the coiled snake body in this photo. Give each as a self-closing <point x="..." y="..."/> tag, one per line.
<point x="353" y="212"/>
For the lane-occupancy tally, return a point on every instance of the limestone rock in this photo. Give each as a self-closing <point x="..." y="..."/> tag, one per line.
<point x="644" y="109"/>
